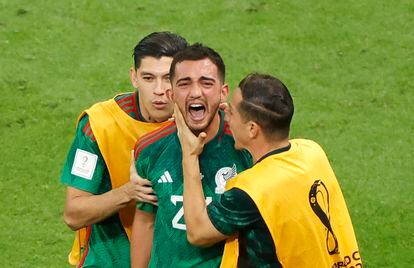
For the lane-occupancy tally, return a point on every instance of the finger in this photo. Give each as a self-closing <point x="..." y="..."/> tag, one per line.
<point x="202" y="138"/>
<point x="176" y="110"/>
<point x="136" y="179"/>
<point x="169" y="94"/>
<point x="178" y="117"/>
<point x="145" y="190"/>
<point x="132" y="169"/>
<point x="224" y="105"/>
<point x="148" y="198"/>
<point x="140" y="181"/>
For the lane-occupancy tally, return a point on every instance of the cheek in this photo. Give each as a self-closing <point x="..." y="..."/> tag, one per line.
<point x="178" y="96"/>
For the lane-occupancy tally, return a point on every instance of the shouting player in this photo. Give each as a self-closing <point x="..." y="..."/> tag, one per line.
<point x="159" y="233"/>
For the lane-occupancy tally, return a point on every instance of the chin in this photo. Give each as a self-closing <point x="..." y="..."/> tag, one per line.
<point x="197" y="128"/>
<point x="161" y="117"/>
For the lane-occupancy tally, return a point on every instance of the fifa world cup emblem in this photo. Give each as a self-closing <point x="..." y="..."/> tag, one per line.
<point x="319" y="202"/>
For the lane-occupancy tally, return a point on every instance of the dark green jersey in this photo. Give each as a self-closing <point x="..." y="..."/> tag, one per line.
<point x="108" y="244"/>
<point x="159" y="159"/>
<point x="236" y="212"/>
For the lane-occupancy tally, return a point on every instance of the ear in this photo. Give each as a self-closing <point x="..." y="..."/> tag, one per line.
<point x="133" y="77"/>
<point x="254" y="129"/>
<point x="224" y="93"/>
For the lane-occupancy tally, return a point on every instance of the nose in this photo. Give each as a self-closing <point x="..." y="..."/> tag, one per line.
<point x="160" y="87"/>
<point x="195" y="91"/>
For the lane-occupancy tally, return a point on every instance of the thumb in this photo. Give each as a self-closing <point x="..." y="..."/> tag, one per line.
<point x="202" y="137"/>
<point x="223" y="106"/>
<point x="132" y="168"/>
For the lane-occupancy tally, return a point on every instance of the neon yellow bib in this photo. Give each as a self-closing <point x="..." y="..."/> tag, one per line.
<point x="116" y="134"/>
<point x="301" y="202"/>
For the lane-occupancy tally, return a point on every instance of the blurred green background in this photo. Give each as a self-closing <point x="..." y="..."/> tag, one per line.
<point x="349" y="66"/>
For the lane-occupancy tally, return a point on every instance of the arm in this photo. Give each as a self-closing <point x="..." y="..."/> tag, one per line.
<point x="83" y="204"/>
<point x="200" y="230"/>
<point x="141" y="239"/>
<point x="83" y="208"/>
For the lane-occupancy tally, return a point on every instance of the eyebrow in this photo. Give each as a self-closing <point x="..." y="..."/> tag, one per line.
<point x="208" y="78"/>
<point x="146" y="73"/>
<point x="153" y="74"/>
<point x="183" y="79"/>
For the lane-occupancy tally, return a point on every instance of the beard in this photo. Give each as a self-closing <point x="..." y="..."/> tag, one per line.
<point x="197" y="129"/>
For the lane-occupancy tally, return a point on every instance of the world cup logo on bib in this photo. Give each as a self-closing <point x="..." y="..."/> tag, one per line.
<point x="222" y="176"/>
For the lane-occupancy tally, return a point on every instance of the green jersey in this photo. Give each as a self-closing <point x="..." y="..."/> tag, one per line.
<point x="158" y="158"/>
<point x="108" y="244"/>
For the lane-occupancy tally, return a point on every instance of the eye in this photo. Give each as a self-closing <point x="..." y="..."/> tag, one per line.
<point x="148" y="78"/>
<point x="207" y="84"/>
<point x="182" y="84"/>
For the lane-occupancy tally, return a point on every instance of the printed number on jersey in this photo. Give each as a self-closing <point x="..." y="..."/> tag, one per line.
<point x="180" y="214"/>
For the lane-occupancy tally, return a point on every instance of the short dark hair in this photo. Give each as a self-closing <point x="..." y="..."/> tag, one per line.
<point x="266" y="101"/>
<point x="157" y="45"/>
<point x="198" y="51"/>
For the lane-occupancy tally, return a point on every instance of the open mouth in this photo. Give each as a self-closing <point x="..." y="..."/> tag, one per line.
<point x="197" y="111"/>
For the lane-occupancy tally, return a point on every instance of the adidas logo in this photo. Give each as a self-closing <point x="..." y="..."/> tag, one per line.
<point x="165" y="178"/>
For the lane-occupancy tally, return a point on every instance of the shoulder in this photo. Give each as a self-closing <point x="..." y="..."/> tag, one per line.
<point x="84" y="128"/>
<point x="309" y="146"/>
<point x="155" y="139"/>
<point x="125" y="100"/>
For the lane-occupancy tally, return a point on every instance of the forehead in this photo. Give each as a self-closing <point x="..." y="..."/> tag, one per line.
<point x="195" y="69"/>
<point x="155" y="65"/>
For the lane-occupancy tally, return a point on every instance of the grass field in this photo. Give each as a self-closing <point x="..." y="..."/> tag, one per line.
<point x="349" y="65"/>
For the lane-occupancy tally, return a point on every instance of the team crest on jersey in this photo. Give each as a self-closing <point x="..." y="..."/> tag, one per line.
<point x="222" y="176"/>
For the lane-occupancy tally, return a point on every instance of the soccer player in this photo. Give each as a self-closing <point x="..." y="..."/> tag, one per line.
<point x="100" y="198"/>
<point x="159" y="233"/>
<point x="288" y="209"/>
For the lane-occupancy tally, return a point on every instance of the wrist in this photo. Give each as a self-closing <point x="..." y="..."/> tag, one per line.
<point x="123" y="193"/>
<point x="190" y="159"/>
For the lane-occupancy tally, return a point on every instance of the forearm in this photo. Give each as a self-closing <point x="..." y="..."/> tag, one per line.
<point x="141" y="239"/>
<point x="199" y="227"/>
<point x="83" y="209"/>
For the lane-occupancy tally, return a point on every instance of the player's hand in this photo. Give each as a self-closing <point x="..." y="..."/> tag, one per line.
<point x="142" y="188"/>
<point x="191" y="145"/>
<point x="224" y="106"/>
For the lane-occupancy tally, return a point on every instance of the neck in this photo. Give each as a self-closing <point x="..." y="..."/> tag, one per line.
<point x="262" y="147"/>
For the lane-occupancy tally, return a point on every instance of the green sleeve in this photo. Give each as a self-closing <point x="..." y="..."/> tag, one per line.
<point x="150" y="208"/>
<point x="234" y="210"/>
<point x="83" y="149"/>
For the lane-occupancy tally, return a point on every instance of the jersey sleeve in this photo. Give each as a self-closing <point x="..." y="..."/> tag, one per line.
<point x="234" y="210"/>
<point x="85" y="167"/>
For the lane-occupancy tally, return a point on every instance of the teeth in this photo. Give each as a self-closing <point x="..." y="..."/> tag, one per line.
<point x="196" y="106"/>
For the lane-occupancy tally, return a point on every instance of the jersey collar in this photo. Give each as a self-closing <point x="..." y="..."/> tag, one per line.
<point x="277" y="151"/>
